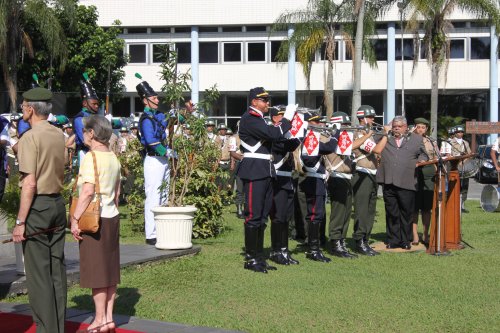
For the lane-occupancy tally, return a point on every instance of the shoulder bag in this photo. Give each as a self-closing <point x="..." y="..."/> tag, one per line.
<point x="89" y="221"/>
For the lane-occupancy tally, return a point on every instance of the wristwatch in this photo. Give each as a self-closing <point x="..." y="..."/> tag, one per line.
<point x="19" y="222"/>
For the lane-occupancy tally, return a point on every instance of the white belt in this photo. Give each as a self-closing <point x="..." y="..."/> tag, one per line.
<point x="268" y="157"/>
<point x="366" y="170"/>
<point x="284" y="173"/>
<point x="341" y="175"/>
<point x="316" y="175"/>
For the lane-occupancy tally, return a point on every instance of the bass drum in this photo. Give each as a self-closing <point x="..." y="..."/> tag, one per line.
<point x="490" y="198"/>
<point x="469" y="168"/>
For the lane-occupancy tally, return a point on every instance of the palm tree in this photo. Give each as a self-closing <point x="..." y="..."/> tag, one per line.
<point x="434" y="15"/>
<point x="314" y="27"/>
<point x="15" y="18"/>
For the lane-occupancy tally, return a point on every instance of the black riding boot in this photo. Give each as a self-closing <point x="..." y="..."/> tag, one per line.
<point x="284" y="244"/>
<point x="251" y="250"/>
<point x="313" y="238"/>
<point x="260" y="249"/>
<point x="276" y="244"/>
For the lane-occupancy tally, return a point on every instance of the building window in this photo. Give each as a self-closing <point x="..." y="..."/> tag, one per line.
<point x="256" y="52"/>
<point x="252" y="28"/>
<point x="209" y="52"/>
<point x="407" y="47"/>
<point x="160" y="30"/>
<point x="236" y="105"/>
<point x="137" y="53"/>
<point x="182" y="30"/>
<point x="275" y="46"/>
<point x="457" y="49"/>
<point x="208" y="29"/>
<point x="380" y="49"/>
<point x="183" y="53"/>
<point x="322" y="52"/>
<point x="138" y="30"/>
<point x="232" y="29"/>
<point x="158" y="52"/>
<point x="480" y="48"/>
<point x="232" y="52"/>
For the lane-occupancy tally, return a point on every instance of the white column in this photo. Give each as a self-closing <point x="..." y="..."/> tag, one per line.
<point x="390" y="111"/>
<point x="493" y="80"/>
<point x="291" y="70"/>
<point x="195" y="63"/>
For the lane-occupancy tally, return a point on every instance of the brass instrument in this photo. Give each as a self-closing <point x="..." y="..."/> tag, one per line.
<point x="300" y="109"/>
<point x="331" y="131"/>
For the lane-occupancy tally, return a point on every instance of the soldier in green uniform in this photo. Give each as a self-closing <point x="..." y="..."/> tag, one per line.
<point x="42" y="209"/>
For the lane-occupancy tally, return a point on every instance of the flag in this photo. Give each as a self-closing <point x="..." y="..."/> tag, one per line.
<point x="345" y="141"/>
<point x="298" y="125"/>
<point x="311" y="144"/>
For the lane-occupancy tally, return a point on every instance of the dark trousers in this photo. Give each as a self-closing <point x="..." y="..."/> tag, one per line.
<point x="300" y="211"/>
<point x="399" y="208"/>
<point x="340" y="193"/>
<point x="282" y="205"/>
<point x="44" y="263"/>
<point x="364" y="188"/>
<point x="315" y="209"/>
<point x="258" y="201"/>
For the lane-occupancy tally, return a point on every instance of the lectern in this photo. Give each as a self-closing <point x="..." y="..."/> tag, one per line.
<point x="445" y="233"/>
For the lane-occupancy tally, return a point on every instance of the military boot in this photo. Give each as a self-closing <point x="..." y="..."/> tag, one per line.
<point x="284" y="244"/>
<point x="314" y="252"/>
<point x="363" y="248"/>
<point x="239" y="211"/>
<point x="276" y="246"/>
<point x="339" y="250"/>
<point x="370" y="248"/>
<point x="251" y="253"/>
<point x="260" y="249"/>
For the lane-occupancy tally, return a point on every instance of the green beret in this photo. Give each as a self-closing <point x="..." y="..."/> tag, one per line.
<point x="422" y="121"/>
<point x="38" y="94"/>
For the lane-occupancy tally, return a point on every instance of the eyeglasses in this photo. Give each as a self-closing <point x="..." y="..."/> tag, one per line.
<point x="264" y="99"/>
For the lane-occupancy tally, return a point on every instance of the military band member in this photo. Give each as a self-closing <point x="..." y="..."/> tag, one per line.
<point x="459" y="147"/>
<point x="210" y="125"/>
<point x="222" y="143"/>
<point x="257" y="173"/>
<point x="282" y="195"/>
<point x="340" y="191"/>
<point x="41" y="167"/>
<point x="445" y="145"/>
<point x="152" y="127"/>
<point x="236" y="157"/>
<point x="364" y="183"/>
<point x="314" y="187"/>
<point x="90" y="105"/>
<point x="495" y="157"/>
<point x="425" y="187"/>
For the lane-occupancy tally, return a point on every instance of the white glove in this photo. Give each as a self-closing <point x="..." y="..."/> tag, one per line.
<point x="108" y="117"/>
<point x="290" y="111"/>
<point x="51" y="118"/>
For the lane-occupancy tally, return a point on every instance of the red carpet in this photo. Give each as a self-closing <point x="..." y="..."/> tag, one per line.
<point x="16" y="323"/>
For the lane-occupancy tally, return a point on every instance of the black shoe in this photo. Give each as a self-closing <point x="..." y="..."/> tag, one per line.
<point x="464" y="210"/>
<point x="151" y="241"/>
<point x="254" y="265"/>
<point x="406" y="246"/>
<point x="317" y="255"/>
<point x="279" y="258"/>
<point x="363" y="248"/>
<point x="288" y="256"/>
<point x="338" y="250"/>
<point x="267" y="266"/>
<point x="392" y="246"/>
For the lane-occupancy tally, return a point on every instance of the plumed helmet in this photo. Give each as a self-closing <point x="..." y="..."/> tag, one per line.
<point x="340" y="117"/>
<point x="365" y="111"/>
<point x="87" y="91"/>
<point x="145" y="90"/>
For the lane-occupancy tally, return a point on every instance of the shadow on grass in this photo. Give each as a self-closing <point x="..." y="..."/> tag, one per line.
<point x="125" y="303"/>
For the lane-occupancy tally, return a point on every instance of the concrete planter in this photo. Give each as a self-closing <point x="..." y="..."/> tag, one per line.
<point x="174" y="226"/>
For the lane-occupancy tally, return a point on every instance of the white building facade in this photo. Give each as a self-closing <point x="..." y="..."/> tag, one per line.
<point x="228" y="43"/>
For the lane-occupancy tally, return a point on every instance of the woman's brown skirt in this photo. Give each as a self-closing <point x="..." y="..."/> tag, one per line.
<point x="100" y="255"/>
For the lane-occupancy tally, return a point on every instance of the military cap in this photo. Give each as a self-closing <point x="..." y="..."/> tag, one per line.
<point x="229" y="131"/>
<point x="459" y="128"/>
<point x="38" y="95"/>
<point x="209" y="123"/>
<point x="365" y="111"/>
<point x="258" y="92"/>
<point x="451" y="130"/>
<point x="340" y="117"/>
<point x="422" y="121"/>
<point x="276" y="111"/>
<point x="312" y="116"/>
<point x="221" y="126"/>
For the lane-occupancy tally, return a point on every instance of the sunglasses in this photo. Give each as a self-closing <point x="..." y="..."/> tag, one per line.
<point x="264" y="99"/>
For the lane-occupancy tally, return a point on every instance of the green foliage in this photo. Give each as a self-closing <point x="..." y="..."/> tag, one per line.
<point x="133" y="165"/>
<point x="445" y="122"/>
<point x="10" y="200"/>
<point x="91" y="48"/>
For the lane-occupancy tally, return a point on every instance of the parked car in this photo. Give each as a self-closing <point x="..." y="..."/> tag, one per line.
<point x="487" y="173"/>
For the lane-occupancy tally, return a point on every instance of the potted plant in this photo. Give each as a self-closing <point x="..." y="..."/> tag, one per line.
<point x="194" y="203"/>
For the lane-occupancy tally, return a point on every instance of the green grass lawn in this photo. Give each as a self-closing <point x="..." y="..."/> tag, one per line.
<point x="409" y="292"/>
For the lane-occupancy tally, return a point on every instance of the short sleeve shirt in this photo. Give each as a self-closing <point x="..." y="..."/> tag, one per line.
<point x="108" y="169"/>
<point x="41" y="153"/>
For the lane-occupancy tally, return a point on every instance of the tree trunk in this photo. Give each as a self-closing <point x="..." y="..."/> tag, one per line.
<point x="434" y="98"/>
<point x="358" y="56"/>
<point x="329" y="100"/>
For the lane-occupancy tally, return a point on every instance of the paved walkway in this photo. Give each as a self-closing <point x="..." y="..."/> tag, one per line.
<point x="11" y="284"/>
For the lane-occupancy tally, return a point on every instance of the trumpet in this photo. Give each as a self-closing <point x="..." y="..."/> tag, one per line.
<point x="331" y="131"/>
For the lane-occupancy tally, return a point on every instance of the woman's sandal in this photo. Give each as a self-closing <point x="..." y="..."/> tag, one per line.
<point x="97" y="329"/>
<point x="111" y="326"/>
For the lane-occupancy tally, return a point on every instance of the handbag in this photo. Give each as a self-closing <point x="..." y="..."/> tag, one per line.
<point x="89" y="221"/>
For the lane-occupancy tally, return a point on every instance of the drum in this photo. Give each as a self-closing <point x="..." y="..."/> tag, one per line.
<point x="469" y="168"/>
<point x="490" y="198"/>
